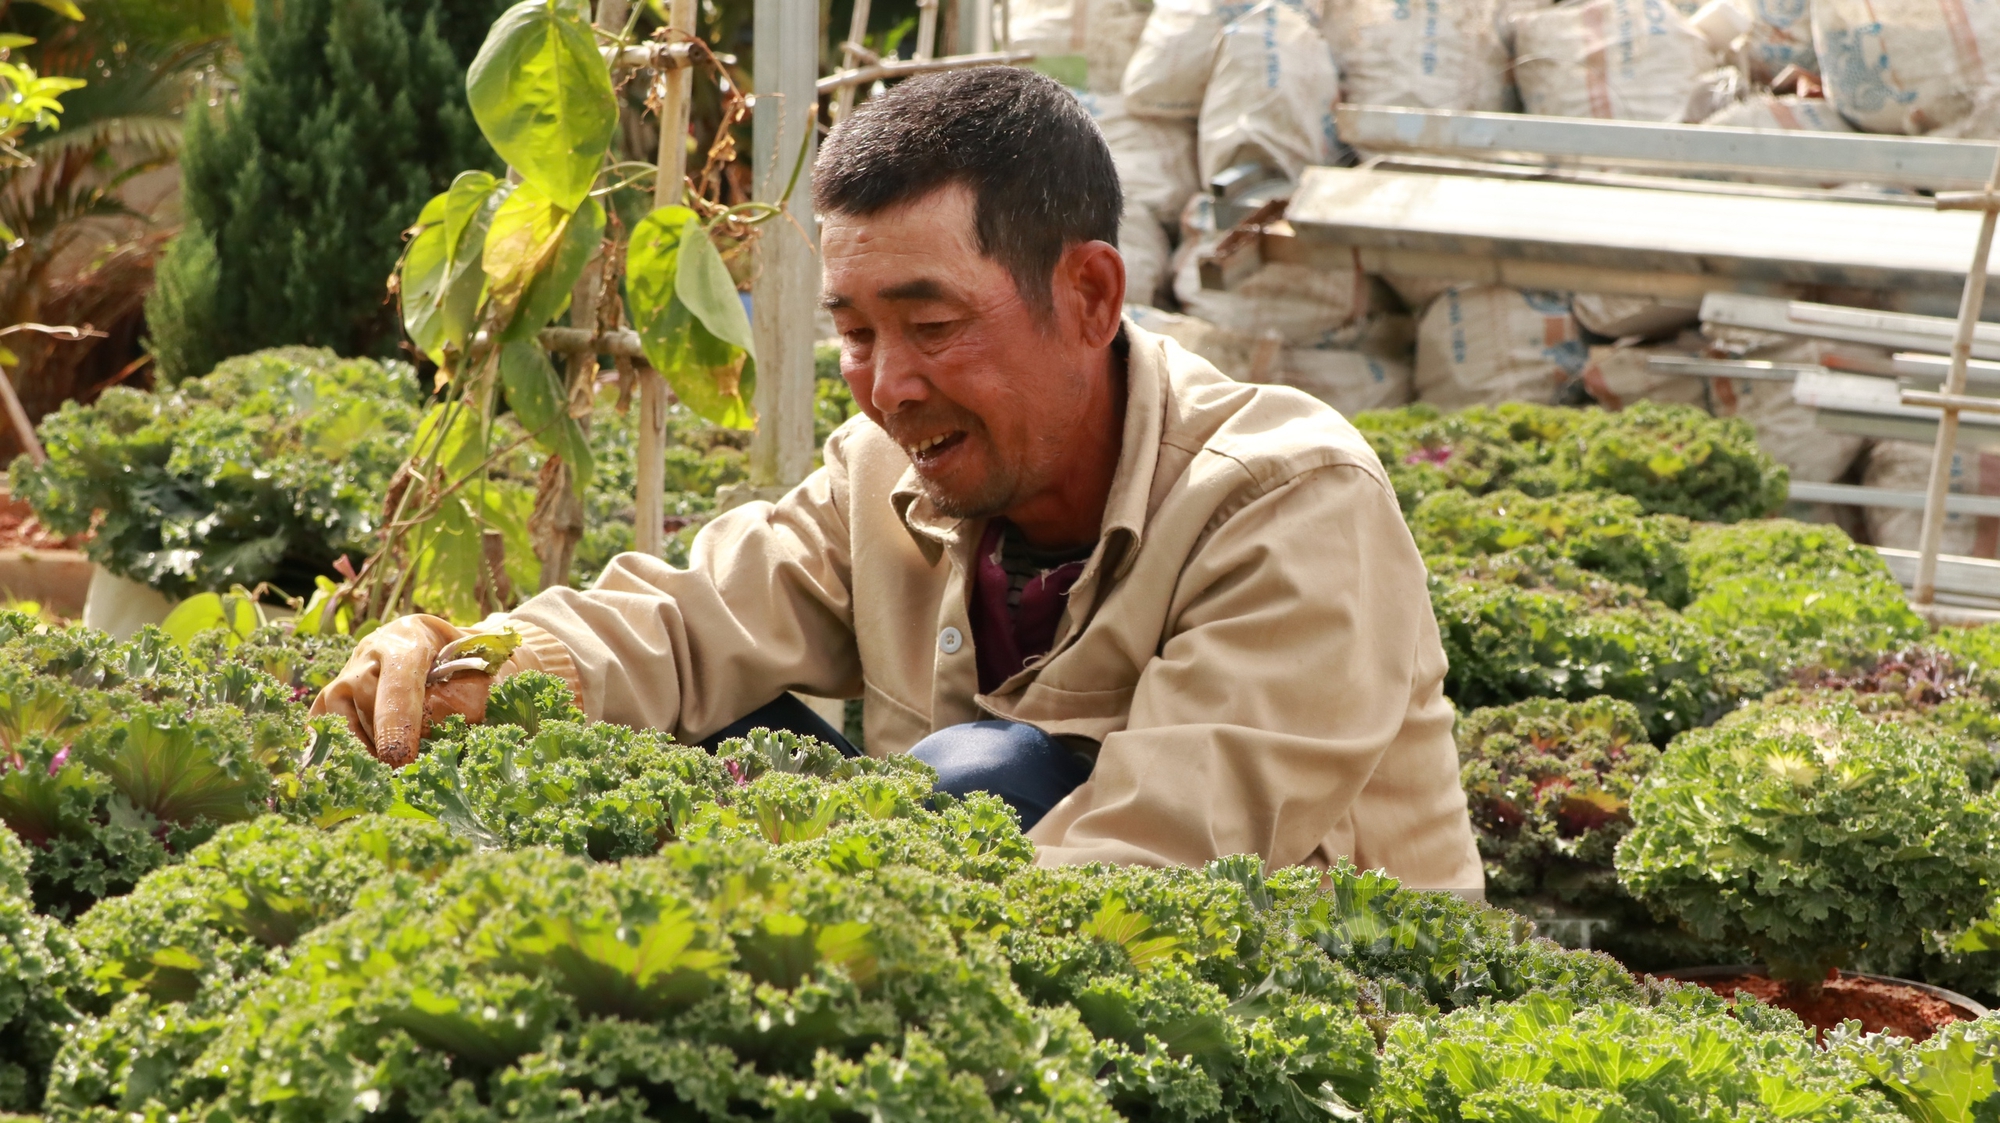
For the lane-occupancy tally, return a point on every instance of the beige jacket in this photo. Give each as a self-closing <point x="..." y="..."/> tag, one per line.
<point x="1251" y="645"/>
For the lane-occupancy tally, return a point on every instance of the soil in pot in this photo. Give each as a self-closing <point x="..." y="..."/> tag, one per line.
<point x="1880" y="1006"/>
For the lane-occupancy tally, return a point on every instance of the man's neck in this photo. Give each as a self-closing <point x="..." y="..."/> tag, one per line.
<point x="1070" y="512"/>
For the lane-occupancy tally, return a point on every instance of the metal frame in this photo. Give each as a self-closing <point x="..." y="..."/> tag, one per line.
<point x="1766" y="155"/>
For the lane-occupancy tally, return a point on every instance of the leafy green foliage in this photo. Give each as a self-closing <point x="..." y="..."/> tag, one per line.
<point x="1549" y="785"/>
<point x="40" y="967"/>
<point x="269" y="469"/>
<point x="543" y="98"/>
<point x="1507" y="643"/>
<point x="1672" y="459"/>
<point x="1806" y="552"/>
<point x="1419" y="953"/>
<point x="1780" y="622"/>
<point x="1952" y="1078"/>
<point x="689" y="318"/>
<point x="1546" y="1059"/>
<point x="116" y="759"/>
<point x="1605" y="534"/>
<point x="1811" y="833"/>
<point x="347" y="116"/>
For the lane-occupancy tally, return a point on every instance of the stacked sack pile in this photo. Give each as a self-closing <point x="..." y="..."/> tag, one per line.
<point x="1184" y="89"/>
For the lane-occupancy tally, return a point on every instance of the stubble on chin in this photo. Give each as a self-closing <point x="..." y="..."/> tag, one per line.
<point x="989" y="500"/>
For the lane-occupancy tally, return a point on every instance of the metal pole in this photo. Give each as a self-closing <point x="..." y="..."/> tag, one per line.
<point x="785" y="295"/>
<point x="649" y="510"/>
<point x="1969" y="307"/>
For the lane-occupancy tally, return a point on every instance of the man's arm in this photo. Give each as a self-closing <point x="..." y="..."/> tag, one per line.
<point x="1302" y="651"/>
<point x="764" y="606"/>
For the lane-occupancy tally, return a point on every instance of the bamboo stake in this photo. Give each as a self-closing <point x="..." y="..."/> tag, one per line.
<point x="903" y="68"/>
<point x="1970" y="305"/>
<point x="649" y="516"/>
<point x="857" y="32"/>
<point x="927" y="14"/>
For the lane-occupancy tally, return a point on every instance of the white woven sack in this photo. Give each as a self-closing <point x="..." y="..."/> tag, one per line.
<point x="1084" y="44"/>
<point x="1631" y="60"/>
<point x="1169" y="68"/>
<point x="1245" y="358"/>
<point x="1426" y="54"/>
<point x="1155" y="156"/>
<point x="1301" y="306"/>
<point x="1908" y="66"/>
<point x="1270" y="97"/>
<point x="1615" y="377"/>
<point x="1780" y="37"/>
<point x="1142" y="241"/>
<point x="1485" y="345"/>
<point x="1906" y="466"/>
<point x="1349" y="381"/>
<point x="1769" y="111"/>
<point x="1617" y="317"/>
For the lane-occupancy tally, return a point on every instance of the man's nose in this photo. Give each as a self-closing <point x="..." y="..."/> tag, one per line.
<point x="901" y="378"/>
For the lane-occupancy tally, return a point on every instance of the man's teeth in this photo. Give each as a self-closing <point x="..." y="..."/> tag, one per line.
<point x="926" y="445"/>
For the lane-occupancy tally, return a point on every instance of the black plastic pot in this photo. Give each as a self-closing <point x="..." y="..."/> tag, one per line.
<point x="1965" y="1006"/>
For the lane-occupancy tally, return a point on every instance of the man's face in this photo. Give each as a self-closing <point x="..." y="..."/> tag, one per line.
<point x="943" y="353"/>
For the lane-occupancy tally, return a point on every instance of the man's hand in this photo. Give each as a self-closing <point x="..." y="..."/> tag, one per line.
<point x="384" y="692"/>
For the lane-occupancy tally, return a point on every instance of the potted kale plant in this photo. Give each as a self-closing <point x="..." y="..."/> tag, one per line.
<point x="1815" y="836"/>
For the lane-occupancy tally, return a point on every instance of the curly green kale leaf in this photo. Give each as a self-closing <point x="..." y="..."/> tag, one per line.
<point x="1607" y="534"/>
<point x="1810" y="833"/>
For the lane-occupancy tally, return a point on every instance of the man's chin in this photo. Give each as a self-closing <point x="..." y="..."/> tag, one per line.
<point x="965" y="503"/>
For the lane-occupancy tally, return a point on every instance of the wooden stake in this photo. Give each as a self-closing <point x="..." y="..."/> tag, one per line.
<point x="857" y="31"/>
<point x="927" y="15"/>
<point x="785" y="294"/>
<point x="649" y="515"/>
<point x="1969" y="308"/>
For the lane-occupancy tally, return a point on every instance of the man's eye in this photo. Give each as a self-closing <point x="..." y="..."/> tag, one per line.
<point x="858" y="338"/>
<point x="930" y="329"/>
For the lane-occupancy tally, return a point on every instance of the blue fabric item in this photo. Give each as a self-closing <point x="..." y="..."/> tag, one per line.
<point x="786" y="714"/>
<point x="1029" y="769"/>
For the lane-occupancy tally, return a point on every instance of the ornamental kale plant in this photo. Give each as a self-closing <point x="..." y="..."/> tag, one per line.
<point x="1783" y="622"/>
<point x="1672" y="459"/>
<point x="1549" y="785"/>
<point x="1507" y="643"/>
<point x="1954" y="1077"/>
<point x="1804" y="552"/>
<point x="268" y="469"/>
<point x="40" y="969"/>
<point x="1547" y="1060"/>
<point x="1811" y="834"/>
<point x="1607" y="534"/>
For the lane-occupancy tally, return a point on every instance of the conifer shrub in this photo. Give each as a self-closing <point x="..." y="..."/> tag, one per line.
<point x="348" y="115"/>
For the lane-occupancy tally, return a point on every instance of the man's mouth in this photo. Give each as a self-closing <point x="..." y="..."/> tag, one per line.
<point x="932" y="449"/>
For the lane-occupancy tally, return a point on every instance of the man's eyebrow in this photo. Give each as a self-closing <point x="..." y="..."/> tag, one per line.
<point x="922" y="288"/>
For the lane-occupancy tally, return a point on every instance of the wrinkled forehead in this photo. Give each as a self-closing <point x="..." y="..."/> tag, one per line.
<point x="924" y="249"/>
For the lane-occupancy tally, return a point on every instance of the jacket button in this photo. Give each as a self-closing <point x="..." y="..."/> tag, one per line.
<point x="950" y="640"/>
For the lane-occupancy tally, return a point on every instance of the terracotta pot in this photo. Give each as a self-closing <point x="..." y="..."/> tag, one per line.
<point x="59" y="580"/>
<point x="1965" y="1008"/>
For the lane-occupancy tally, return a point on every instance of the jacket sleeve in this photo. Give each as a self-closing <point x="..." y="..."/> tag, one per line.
<point x="763" y="607"/>
<point x="1301" y="659"/>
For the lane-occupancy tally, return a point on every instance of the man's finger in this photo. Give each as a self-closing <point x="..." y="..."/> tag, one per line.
<point x="463" y="694"/>
<point x="399" y="702"/>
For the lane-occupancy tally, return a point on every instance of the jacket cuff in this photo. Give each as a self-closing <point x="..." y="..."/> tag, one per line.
<point x="540" y="651"/>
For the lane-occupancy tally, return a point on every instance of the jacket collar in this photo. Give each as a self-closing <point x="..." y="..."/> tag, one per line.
<point x="1131" y="484"/>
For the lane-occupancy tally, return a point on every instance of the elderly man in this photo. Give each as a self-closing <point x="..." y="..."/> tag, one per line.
<point x="1165" y="615"/>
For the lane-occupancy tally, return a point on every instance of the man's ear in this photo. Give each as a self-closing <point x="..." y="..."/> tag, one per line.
<point x="1094" y="275"/>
